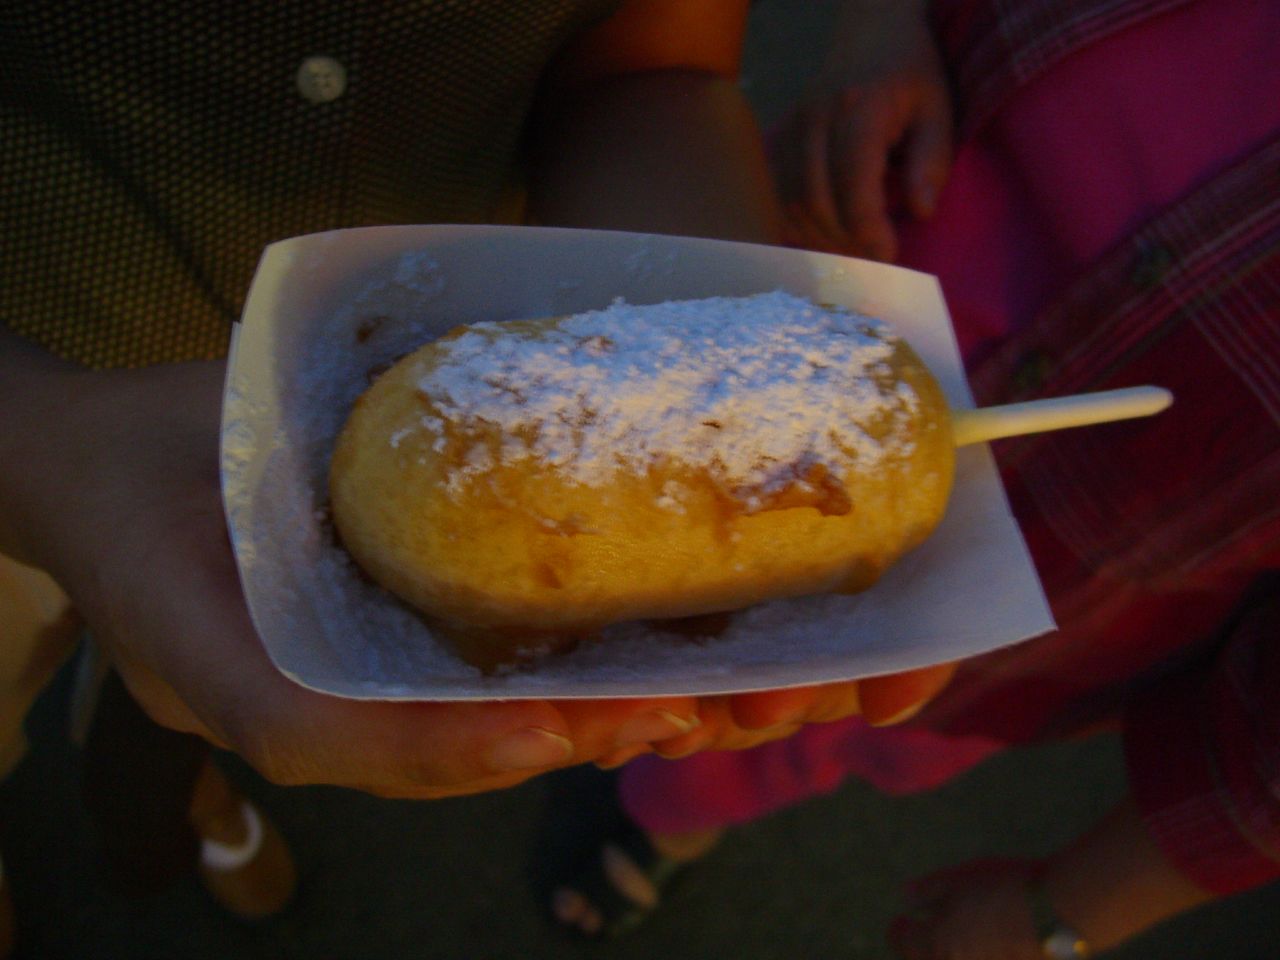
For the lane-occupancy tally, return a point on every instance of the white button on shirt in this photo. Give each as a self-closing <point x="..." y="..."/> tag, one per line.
<point x="321" y="79"/>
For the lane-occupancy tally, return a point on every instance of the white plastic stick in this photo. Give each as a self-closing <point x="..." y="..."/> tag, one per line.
<point x="1056" y="413"/>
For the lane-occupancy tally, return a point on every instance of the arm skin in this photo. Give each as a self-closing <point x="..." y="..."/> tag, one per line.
<point x="1115" y="882"/>
<point x="636" y="133"/>
<point x="1110" y="884"/>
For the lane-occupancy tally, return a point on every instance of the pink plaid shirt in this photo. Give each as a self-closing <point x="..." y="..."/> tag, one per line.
<point x="1112" y="219"/>
<point x="1148" y="535"/>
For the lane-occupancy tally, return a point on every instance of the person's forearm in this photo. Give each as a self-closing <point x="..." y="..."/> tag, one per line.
<point x="61" y="423"/>
<point x="664" y="152"/>
<point x="870" y="36"/>
<point x="1115" y="882"/>
<point x="29" y="376"/>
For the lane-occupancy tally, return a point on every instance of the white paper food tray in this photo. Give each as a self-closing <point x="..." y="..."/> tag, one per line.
<point x="326" y="309"/>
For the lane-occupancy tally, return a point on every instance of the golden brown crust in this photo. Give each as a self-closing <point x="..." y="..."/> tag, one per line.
<point x="515" y="551"/>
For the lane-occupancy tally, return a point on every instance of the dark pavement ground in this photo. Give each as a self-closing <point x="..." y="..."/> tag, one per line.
<point x="384" y="880"/>
<point x="450" y="880"/>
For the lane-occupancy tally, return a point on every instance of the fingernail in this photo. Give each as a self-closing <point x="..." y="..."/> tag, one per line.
<point x="783" y="730"/>
<point x="650" y="727"/>
<point x="772" y="723"/>
<point x="529" y="749"/>
<point x="611" y="761"/>
<point x="906" y="713"/>
<point x="688" y="749"/>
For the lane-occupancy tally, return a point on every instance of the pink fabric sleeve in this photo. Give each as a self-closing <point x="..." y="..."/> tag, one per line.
<point x="721" y="789"/>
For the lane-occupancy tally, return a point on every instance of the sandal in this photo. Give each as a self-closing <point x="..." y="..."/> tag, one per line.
<point x="602" y="877"/>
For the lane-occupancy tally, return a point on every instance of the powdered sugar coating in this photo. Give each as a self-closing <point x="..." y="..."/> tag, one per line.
<point x="751" y="387"/>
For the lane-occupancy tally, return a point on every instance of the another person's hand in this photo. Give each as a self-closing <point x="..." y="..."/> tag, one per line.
<point x="979" y="911"/>
<point x="871" y="141"/>
<point x="113" y="486"/>
<point x="1107" y="886"/>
